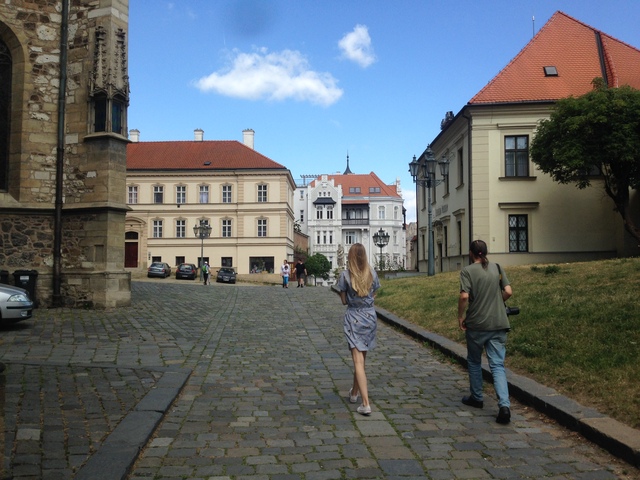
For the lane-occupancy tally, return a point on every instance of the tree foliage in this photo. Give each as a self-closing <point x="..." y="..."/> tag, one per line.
<point x="318" y="265"/>
<point x="595" y="136"/>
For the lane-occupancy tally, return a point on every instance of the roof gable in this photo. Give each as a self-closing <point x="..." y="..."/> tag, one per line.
<point x="363" y="181"/>
<point x="579" y="52"/>
<point x="196" y="155"/>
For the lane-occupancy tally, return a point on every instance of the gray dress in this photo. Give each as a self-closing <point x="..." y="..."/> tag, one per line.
<point x="360" y="318"/>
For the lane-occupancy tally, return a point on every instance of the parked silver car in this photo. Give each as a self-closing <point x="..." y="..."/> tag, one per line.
<point x="159" y="269"/>
<point x="15" y="304"/>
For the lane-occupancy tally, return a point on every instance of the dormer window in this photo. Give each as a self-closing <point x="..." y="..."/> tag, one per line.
<point x="550" y="71"/>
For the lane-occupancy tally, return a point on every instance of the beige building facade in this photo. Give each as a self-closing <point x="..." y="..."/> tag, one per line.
<point x="242" y="195"/>
<point x="494" y="192"/>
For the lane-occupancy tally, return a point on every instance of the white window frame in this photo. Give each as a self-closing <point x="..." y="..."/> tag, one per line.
<point x="181" y="194"/>
<point x="263" y="192"/>
<point x="203" y="194"/>
<point x="132" y="194"/>
<point x="226" y="193"/>
<point x="157" y="229"/>
<point x="226" y="228"/>
<point x="262" y="227"/>
<point x="181" y="228"/>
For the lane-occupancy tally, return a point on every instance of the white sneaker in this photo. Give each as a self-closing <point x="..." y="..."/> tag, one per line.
<point x="362" y="410"/>
<point x="353" y="398"/>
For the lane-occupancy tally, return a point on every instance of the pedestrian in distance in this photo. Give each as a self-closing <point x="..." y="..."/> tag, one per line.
<point x="301" y="273"/>
<point x="357" y="286"/>
<point x="284" y="272"/>
<point x="205" y="273"/>
<point x="483" y="290"/>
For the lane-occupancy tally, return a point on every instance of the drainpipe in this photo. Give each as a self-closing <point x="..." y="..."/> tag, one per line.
<point x="57" y="239"/>
<point x="470" y="187"/>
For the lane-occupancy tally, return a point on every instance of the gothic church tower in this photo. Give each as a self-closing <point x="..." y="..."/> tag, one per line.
<point x="64" y="92"/>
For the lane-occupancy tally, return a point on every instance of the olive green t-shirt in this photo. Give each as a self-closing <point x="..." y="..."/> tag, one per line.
<point x="486" y="309"/>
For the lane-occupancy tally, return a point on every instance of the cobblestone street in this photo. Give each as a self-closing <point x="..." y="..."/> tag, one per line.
<point x="235" y="381"/>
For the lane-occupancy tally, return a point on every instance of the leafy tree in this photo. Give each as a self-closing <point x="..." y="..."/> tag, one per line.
<point x="595" y="134"/>
<point x="318" y="265"/>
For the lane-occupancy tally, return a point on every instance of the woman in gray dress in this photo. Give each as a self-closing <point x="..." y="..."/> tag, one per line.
<point x="357" y="285"/>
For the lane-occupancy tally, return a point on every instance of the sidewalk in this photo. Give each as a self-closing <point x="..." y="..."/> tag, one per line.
<point x="233" y="381"/>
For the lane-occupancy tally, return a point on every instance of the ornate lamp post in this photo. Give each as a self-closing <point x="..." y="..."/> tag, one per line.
<point x="381" y="239"/>
<point x="423" y="172"/>
<point x="202" y="231"/>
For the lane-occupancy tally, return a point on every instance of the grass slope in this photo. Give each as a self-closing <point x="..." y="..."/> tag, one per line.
<point x="578" y="330"/>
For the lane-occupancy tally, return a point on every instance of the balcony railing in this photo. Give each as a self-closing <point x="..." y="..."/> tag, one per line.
<point x="355" y="221"/>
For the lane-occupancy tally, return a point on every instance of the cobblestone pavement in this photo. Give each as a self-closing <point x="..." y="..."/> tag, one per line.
<point x="250" y="382"/>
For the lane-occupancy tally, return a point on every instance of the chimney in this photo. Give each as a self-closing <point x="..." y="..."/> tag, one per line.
<point x="198" y="134"/>
<point x="247" y="137"/>
<point x="134" y="135"/>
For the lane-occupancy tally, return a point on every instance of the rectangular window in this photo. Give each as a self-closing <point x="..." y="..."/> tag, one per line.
<point x="181" y="228"/>
<point x="262" y="227"/>
<point x="354" y="189"/>
<point x="374" y="189"/>
<point x="460" y="168"/>
<point x="204" y="193"/>
<point x="181" y="194"/>
<point x="318" y="237"/>
<point x="518" y="233"/>
<point x="301" y="216"/>
<point x="157" y="229"/>
<point x="226" y="228"/>
<point x="350" y="238"/>
<point x="516" y="155"/>
<point x="158" y="194"/>
<point x="329" y="213"/>
<point x="179" y="260"/>
<point x="226" y="194"/>
<point x="331" y="237"/>
<point x="133" y="194"/>
<point x="226" y="262"/>
<point x="262" y="193"/>
<point x="381" y="213"/>
<point x="318" y="213"/>
<point x="324" y="237"/>
<point x="301" y="194"/>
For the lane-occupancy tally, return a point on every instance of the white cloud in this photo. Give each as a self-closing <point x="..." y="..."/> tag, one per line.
<point x="356" y="46"/>
<point x="273" y="76"/>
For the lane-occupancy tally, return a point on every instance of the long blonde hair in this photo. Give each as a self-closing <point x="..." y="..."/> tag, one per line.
<point x="359" y="270"/>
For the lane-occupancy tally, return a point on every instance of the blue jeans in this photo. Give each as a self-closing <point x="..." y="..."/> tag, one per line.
<point x="493" y="342"/>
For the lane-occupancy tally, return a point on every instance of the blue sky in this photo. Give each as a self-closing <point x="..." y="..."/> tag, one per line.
<point x="319" y="79"/>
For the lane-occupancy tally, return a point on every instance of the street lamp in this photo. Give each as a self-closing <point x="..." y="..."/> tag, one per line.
<point x="423" y="172"/>
<point x="381" y="239"/>
<point x="202" y="231"/>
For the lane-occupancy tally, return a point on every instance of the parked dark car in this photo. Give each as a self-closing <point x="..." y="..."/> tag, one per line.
<point x="159" y="269"/>
<point x="187" y="270"/>
<point x="15" y="304"/>
<point x="226" y="274"/>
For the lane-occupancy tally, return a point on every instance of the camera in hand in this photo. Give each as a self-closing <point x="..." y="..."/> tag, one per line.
<point x="512" y="310"/>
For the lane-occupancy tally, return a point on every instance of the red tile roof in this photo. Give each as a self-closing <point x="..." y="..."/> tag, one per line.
<point x="573" y="48"/>
<point x="194" y="155"/>
<point x="364" y="181"/>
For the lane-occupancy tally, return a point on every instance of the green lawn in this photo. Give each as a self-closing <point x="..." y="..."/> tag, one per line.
<point x="578" y="330"/>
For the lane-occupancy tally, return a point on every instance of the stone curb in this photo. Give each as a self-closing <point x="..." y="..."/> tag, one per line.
<point x="615" y="437"/>
<point x="120" y="450"/>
